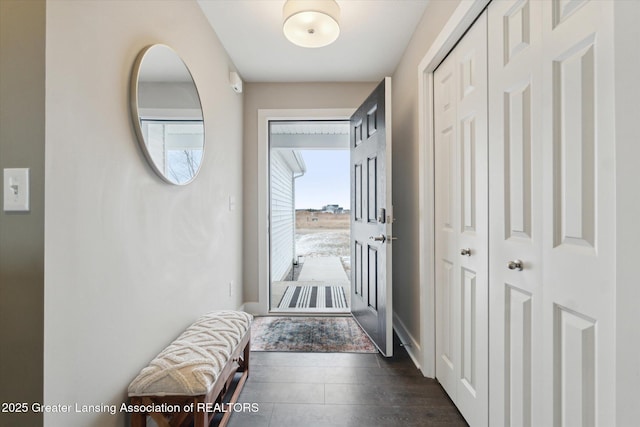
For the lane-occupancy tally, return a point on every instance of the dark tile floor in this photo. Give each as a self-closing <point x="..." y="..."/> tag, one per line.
<point x="342" y="389"/>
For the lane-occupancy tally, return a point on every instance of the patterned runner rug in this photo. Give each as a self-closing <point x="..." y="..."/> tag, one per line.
<point x="314" y="298"/>
<point x="309" y="334"/>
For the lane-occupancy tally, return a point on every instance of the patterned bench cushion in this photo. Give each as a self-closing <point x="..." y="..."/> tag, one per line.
<point x="190" y="365"/>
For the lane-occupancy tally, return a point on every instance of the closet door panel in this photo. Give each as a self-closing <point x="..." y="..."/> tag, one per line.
<point x="447" y="226"/>
<point x="579" y="213"/>
<point x="460" y="124"/>
<point x="551" y="205"/>
<point x="515" y="93"/>
<point x="517" y="157"/>
<point x="471" y="59"/>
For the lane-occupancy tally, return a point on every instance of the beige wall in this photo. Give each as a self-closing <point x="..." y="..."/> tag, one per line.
<point x="406" y="284"/>
<point x="280" y="96"/>
<point x="22" y="136"/>
<point x="130" y="260"/>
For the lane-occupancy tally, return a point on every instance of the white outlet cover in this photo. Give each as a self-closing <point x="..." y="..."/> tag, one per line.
<point x="16" y="189"/>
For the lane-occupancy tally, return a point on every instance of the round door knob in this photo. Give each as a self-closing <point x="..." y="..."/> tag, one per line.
<point x="465" y="251"/>
<point x="515" y="265"/>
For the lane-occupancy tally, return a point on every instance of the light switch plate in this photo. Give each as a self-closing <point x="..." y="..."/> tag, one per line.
<point x="16" y="189"/>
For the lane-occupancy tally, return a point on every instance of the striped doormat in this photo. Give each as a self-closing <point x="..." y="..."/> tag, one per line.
<point x="314" y="298"/>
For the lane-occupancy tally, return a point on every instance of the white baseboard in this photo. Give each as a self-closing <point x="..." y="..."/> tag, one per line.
<point x="410" y="343"/>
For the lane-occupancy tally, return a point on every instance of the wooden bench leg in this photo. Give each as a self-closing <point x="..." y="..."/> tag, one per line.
<point x="247" y="353"/>
<point x="200" y="419"/>
<point x="138" y="420"/>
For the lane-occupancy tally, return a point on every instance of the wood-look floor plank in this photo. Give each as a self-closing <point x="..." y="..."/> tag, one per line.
<point x="385" y="394"/>
<point x="363" y="415"/>
<point x="314" y="359"/>
<point x="282" y="393"/>
<point x="260" y="417"/>
<point x="335" y="375"/>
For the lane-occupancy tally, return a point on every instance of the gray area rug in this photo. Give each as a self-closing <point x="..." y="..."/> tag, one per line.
<point x="309" y="334"/>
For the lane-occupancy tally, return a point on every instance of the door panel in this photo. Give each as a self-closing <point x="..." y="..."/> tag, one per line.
<point x="372" y="192"/>
<point x="468" y="178"/>
<point x="574" y="145"/>
<point x="357" y="179"/>
<point x="517" y="157"/>
<point x="357" y="268"/>
<point x="517" y="357"/>
<point x="469" y="330"/>
<point x="446" y="321"/>
<point x="574" y="359"/>
<point x="461" y="218"/>
<point x="371" y="290"/>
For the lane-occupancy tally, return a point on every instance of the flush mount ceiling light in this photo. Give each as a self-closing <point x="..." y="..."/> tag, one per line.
<point x="311" y="23"/>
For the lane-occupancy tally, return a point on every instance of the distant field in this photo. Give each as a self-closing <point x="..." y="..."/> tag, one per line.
<point x="320" y="220"/>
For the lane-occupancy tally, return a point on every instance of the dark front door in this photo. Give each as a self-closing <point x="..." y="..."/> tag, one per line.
<point x="372" y="216"/>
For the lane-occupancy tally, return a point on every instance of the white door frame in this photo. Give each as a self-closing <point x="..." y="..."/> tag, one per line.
<point x="460" y="21"/>
<point x="264" y="117"/>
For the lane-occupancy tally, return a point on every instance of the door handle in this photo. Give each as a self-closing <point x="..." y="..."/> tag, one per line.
<point x="465" y="251"/>
<point x="381" y="238"/>
<point x="516" y="264"/>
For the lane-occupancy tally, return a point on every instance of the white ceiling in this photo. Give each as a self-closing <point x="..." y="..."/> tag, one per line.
<point x="373" y="37"/>
<point x="314" y="127"/>
<point x="310" y="135"/>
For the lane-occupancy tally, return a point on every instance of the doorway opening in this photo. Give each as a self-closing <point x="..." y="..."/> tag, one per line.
<point x="309" y="217"/>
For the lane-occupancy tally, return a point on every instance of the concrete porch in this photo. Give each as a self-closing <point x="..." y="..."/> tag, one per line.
<point x="316" y="271"/>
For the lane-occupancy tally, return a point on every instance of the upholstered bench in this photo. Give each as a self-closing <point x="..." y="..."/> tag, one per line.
<point x="190" y="378"/>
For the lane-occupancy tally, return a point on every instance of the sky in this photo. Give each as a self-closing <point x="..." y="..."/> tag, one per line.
<point x="326" y="181"/>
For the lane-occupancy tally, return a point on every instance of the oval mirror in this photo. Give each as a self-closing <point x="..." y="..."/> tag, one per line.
<point x="167" y="114"/>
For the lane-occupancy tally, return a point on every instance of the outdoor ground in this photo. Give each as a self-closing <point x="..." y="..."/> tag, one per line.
<point x="324" y="234"/>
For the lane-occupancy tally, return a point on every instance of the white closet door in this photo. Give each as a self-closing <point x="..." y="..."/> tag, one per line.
<point x="579" y="220"/>
<point x="515" y="182"/>
<point x="460" y="99"/>
<point x="447" y="228"/>
<point x="552" y="207"/>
